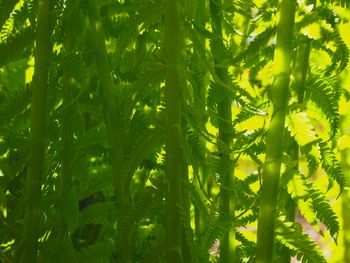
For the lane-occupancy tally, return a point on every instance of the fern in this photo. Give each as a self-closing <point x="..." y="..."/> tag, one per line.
<point x="258" y="42"/>
<point x="313" y="204"/>
<point x="312" y="153"/>
<point x="324" y="212"/>
<point x="68" y="208"/>
<point x="98" y="213"/>
<point x="217" y="227"/>
<point x="14" y="46"/>
<point x="291" y="236"/>
<point x="143" y="145"/>
<point x="99" y="253"/>
<point x="246" y="249"/>
<point x="6" y="7"/>
<point x="324" y="92"/>
<point x="342" y="3"/>
<point x="331" y="165"/>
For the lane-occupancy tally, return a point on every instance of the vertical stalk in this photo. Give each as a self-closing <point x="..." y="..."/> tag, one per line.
<point x="67" y="119"/>
<point x="346" y="194"/>
<point x="275" y="134"/>
<point x="174" y="149"/>
<point x="124" y="242"/>
<point x="37" y="135"/>
<point x="200" y="88"/>
<point x="301" y="71"/>
<point x="186" y="203"/>
<point x="227" y="243"/>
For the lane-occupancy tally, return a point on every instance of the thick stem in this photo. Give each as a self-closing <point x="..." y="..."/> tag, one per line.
<point x="301" y="71"/>
<point x="199" y="171"/>
<point x="227" y="243"/>
<point x="67" y="116"/>
<point x="37" y="136"/>
<point x="124" y="242"/>
<point x="174" y="148"/>
<point x="275" y="134"/>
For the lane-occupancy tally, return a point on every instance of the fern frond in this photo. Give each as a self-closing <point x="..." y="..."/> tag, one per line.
<point x="68" y="207"/>
<point x="14" y="98"/>
<point x="258" y="42"/>
<point x="340" y="57"/>
<point x="140" y="148"/>
<point x="324" y="212"/>
<point x="92" y="177"/>
<point x="291" y="235"/>
<point x="246" y="250"/>
<point x="312" y="204"/>
<point x="195" y="151"/>
<point x="13" y="48"/>
<point x="218" y="225"/>
<point x="324" y="92"/>
<point x="312" y="153"/>
<point x="331" y="165"/>
<point x="97" y="253"/>
<point x="96" y="136"/>
<point x="342" y="3"/>
<point x="300" y="127"/>
<point x="6" y="7"/>
<point x="98" y="213"/>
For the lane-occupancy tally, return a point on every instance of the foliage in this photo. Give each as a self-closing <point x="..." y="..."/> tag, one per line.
<point x="81" y="216"/>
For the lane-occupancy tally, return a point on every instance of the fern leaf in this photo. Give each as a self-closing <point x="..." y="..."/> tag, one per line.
<point x="14" y="46"/>
<point x="97" y="253"/>
<point x="324" y="92"/>
<point x="291" y="235"/>
<point x="299" y="124"/>
<point x="255" y="45"/>
<point x="218" y="225"/>
<point x="324" y="212"/>
<point x="141" y="147"/>
<point x="312" y="153"/>
<point x="246" y="250"/>
<point x="6" y="8"/>
<point x="331" y="165"/>
<point x="312" y="204"/>
<point x="69" y="209"/>
<point x="342" y="3"/>
<point x="98" y="213"/>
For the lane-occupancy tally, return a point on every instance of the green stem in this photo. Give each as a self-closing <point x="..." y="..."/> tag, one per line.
<point x="174" y="148"/>
<point x="67" y="119"/>
<point x="124" y="242"/>
<point x="290" y="208"/>
<point x="186" y="249"/>
<point x="37" y="136"/>
<point x="199" y="171"/>
<point x="227" y="243"/>
<point x="346" y="194"/>
<point x="275" y="134"/>
<point x="301" y="71"/>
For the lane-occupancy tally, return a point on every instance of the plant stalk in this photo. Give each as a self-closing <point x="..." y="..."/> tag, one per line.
<point x="174" y="145"/>
<point x="301" y="71"/>
<point x="275" y="134"/>
<point x="227" y="243"/>
<point x="200" y="89"/>
<point x="124" y="241"/>
<point x="33" y="214"/>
